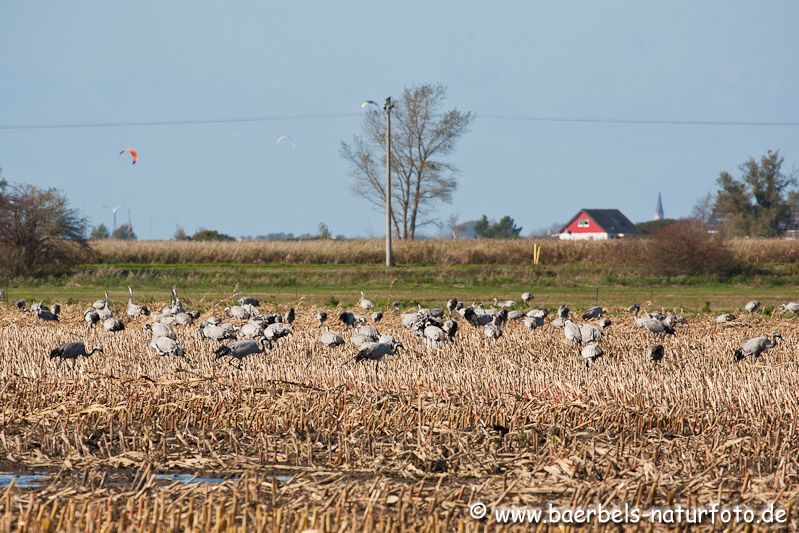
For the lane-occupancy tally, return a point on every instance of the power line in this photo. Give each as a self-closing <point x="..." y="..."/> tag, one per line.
<point x="329" y="116"/>
<point x="648" y="122"/>
<point x="188" y="122"/>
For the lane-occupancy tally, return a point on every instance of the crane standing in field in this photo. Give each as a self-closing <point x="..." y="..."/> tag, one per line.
<point x="364" y="303"/>
<point x="375" y="351"/>
<point x="752" y="306"/>
<point x="241" y="349"/>
<point x="71" y="351"/>
<point x="649" y="323"/>
<point x="756" y="346"/>
<point x="136" y="310"/>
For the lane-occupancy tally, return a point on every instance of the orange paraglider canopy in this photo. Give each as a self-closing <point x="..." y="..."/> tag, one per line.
<point x="132" y="153"/>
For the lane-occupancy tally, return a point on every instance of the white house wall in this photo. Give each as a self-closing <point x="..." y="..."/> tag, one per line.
<point x="583" y="236"/>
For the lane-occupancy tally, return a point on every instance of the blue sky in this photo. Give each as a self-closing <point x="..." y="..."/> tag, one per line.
<point x="83" y="62"/>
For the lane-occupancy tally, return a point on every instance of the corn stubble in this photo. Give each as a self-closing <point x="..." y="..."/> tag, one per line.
<point x="310" y="440"/>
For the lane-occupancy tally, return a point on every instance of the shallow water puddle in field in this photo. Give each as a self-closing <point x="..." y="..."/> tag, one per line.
<point x="28" y="480"/>
<point x="190" y="479"/>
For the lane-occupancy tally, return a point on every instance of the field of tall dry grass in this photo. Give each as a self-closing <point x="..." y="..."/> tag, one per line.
<point x="307" y="439"/>
<point x="448" y="252"/>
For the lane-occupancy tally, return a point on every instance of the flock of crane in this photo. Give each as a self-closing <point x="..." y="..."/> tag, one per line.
<point x="247" y="330"/>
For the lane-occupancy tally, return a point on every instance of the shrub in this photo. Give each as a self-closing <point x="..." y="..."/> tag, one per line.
<point x="687" y="248"/>
<point x="39" y="232"/>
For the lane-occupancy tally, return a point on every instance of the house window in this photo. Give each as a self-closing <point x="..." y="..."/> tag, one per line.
<point x="583" y="223"/>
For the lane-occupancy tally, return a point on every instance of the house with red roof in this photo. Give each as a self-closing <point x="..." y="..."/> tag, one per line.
<point x="598" y="224"/>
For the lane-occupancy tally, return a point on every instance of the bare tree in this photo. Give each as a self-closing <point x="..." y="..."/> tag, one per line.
<point x="703" y="209"/>
<point x="38" y="231"/>
<point x="422" y="135"/>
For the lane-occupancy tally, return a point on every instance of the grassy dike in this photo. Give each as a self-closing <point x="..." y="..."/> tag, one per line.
<point x="334" y="284"/>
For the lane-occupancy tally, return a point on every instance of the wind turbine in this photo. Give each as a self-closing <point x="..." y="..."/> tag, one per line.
<point x="114" y="212"/>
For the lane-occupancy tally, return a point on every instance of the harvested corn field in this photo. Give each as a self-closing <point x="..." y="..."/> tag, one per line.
<point x="303" y="437"/>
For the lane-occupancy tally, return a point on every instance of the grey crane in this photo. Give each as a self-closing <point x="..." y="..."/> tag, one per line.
<point x="377" y="316"/>
<point x="590" y="333"/>
<point x="166" y="346"/>
<point x="175" y="307"/>
<point x="368" y="330"/>
<point x="434" y="337"/>
<point x="160" y="330"/>
<point x="359" y="339"/>
<point x="533" y="322"/>
<point x="216" y="332"/>
<point x="652" y="324"/>
<point x="756" y="346"/>
<point x="276" y="331"/>
<point x="397" y="306"/>
<point x="387" y="339"/>
<point x="527" y="298"/>
<point x="409" y="319"/>
<point x="331" y="339"/>
<point x="656" y="353"/>
<point x="241" y="349"/>
<point x="321" y="316"/>
<point x="350" y="320"/>
<point x="563" y="315"/>
<point x="251" y="309"/>
<point x="593" y="312"/>
<point x="91" y="317"/>
<point x="21" y="305"/>
<point x="105" y="310"/>
<point x="452" y="304"/>
<point x="364" y="303"/>
<point x="249" y="300"/>
<point x="752" y="306"/>
<point x="113" y="324"/>
<point x="186" y="319"/>
<point x="792" y="307"/>
<point x="572" y="332"/>
<point x="375" y="351"/>
<point x="252" y="330"/>
<point x="516" y="314"/>
<point x="290" y="316"/>
<point x="590" y="353"/>
<point x="725" y="317"/>
<point x="492" y="331"/>
<point x="72" y="350"/>
<point x="450" y="327"/>
<point x="99" y="304"/>
<point x="135" y="310"/>
<point x="237" y="311"/>
<point x="605" y="323"/>
<point x="2" y="295"/>
<point x="672" y="320"/>
<point x="46" y="314"/>
<point x="504" y="303"/>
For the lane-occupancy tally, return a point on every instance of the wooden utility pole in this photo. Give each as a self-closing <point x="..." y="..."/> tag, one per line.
<point x="388" y="106"/>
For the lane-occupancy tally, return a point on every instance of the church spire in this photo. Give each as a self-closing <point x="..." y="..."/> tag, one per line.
<point x="659" y="209"/>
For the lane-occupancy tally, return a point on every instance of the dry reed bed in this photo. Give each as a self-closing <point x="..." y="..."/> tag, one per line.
<point x="434" y="252"/>
<point x="409" y="449"/>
